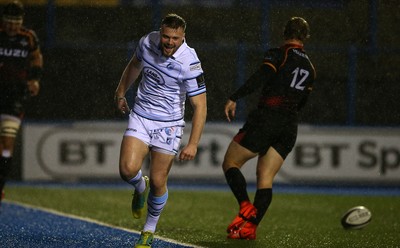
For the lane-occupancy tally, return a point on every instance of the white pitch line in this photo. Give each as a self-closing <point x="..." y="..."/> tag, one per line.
<point x="55" y="212"/>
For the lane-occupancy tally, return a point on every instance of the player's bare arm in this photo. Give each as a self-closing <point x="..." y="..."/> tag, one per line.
<point x="36" y="63"/>
<point x="130" y="74"/>
<point x="199" y="104"/>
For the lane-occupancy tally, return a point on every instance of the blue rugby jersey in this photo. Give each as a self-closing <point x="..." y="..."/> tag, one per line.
<point x="166" y="81"/>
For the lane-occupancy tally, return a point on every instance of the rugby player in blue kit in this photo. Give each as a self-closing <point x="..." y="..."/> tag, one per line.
<point x="171" y="71"/>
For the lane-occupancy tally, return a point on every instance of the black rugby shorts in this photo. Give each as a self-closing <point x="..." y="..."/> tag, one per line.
<point x="260" y="132"/>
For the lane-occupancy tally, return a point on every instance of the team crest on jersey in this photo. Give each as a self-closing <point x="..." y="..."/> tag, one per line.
<point x="170" y="66"/>
<point x="169" y="130"/>
<point x="24" y="42"/>
<point x="153" y="76"/>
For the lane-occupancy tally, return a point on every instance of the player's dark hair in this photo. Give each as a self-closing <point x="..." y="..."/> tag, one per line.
<point x="14" y="10"/>
<point x="174" y="21"/>
<point x="296" y="28"/>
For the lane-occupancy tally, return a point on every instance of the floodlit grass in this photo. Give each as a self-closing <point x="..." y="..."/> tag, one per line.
<point x="200" y="217"/>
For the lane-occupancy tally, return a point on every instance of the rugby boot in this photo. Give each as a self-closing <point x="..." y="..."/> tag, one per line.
<point x="145" y="240"/>
<point x="139" y="200"/>
<point x="246" y="212"/>
<point x="246" y="230"/>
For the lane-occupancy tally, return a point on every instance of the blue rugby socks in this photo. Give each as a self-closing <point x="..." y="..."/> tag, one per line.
<point x="155" y="205"/>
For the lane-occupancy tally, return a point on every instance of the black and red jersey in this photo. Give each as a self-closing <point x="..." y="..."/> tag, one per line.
<point x="286" y="78"/>
<point x="14" y="55"/>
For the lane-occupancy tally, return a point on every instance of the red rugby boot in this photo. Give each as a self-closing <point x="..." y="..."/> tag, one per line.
<point x="247" y="230"/>
<point x="247" y="211"/>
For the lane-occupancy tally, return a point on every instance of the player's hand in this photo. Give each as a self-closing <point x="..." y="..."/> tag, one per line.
<point x="230" y="110"/>
<point x="33" y="87"/>
<point x="122" y="104"/>
<point x="188" y="152"/>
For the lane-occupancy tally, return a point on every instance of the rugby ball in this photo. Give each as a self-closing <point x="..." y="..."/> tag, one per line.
<point x="356" y="217"/>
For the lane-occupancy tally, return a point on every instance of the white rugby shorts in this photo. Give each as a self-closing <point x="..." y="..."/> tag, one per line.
<point x="164" y="137"/>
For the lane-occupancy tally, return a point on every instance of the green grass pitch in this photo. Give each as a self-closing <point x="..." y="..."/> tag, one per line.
<point x="201" y="217"/>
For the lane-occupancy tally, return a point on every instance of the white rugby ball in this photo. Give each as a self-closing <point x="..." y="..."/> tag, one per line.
<point x="356" y="217"/>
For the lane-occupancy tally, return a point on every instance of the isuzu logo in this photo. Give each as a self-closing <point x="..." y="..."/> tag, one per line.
<point x="16" y="53"/>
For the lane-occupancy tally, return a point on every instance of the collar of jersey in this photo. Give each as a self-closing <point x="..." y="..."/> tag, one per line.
<point x="180" y="50"/>
<point x="294" y="45"/>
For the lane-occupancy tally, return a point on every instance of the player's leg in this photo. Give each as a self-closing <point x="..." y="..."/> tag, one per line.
<point x="165" y="145"/>
<point x="267" y="167"/>
<point x="160" y="166"/>
<point x="132" y="153"/>
<point x="9" y="127"/>
<point x="6" y="148"/>
<point x="159" y="169"/>
<point x="236" y="156"/>
<point x="134" y="148"/>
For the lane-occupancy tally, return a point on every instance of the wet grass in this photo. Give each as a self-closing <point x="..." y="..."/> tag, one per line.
<point x="200" y="217"/>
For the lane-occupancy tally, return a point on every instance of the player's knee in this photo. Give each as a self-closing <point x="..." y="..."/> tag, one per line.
<point x="225" y="166"/>
<point x="158" y="187"/>
<point x="127" y="172"/>
<point x="228" y="163"/>
<point x="158" y="180"/>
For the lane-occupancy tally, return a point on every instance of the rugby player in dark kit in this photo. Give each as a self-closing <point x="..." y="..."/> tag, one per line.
<point x="285" y="78"/>
<point x="20" y="71"/>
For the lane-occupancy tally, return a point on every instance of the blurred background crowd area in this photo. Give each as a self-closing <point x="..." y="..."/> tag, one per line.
<point x="353" y="46"/>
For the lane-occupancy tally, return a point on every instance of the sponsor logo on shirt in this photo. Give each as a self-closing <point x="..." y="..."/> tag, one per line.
<point x="195" y="67"/>
<point x="17" y="53"/>
<point x="153" y="76"/>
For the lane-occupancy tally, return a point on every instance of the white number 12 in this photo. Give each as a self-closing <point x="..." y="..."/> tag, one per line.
<point x="298" y="84"/>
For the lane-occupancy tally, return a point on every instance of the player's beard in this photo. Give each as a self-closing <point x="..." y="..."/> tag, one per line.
<point x="168" y="51"/>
